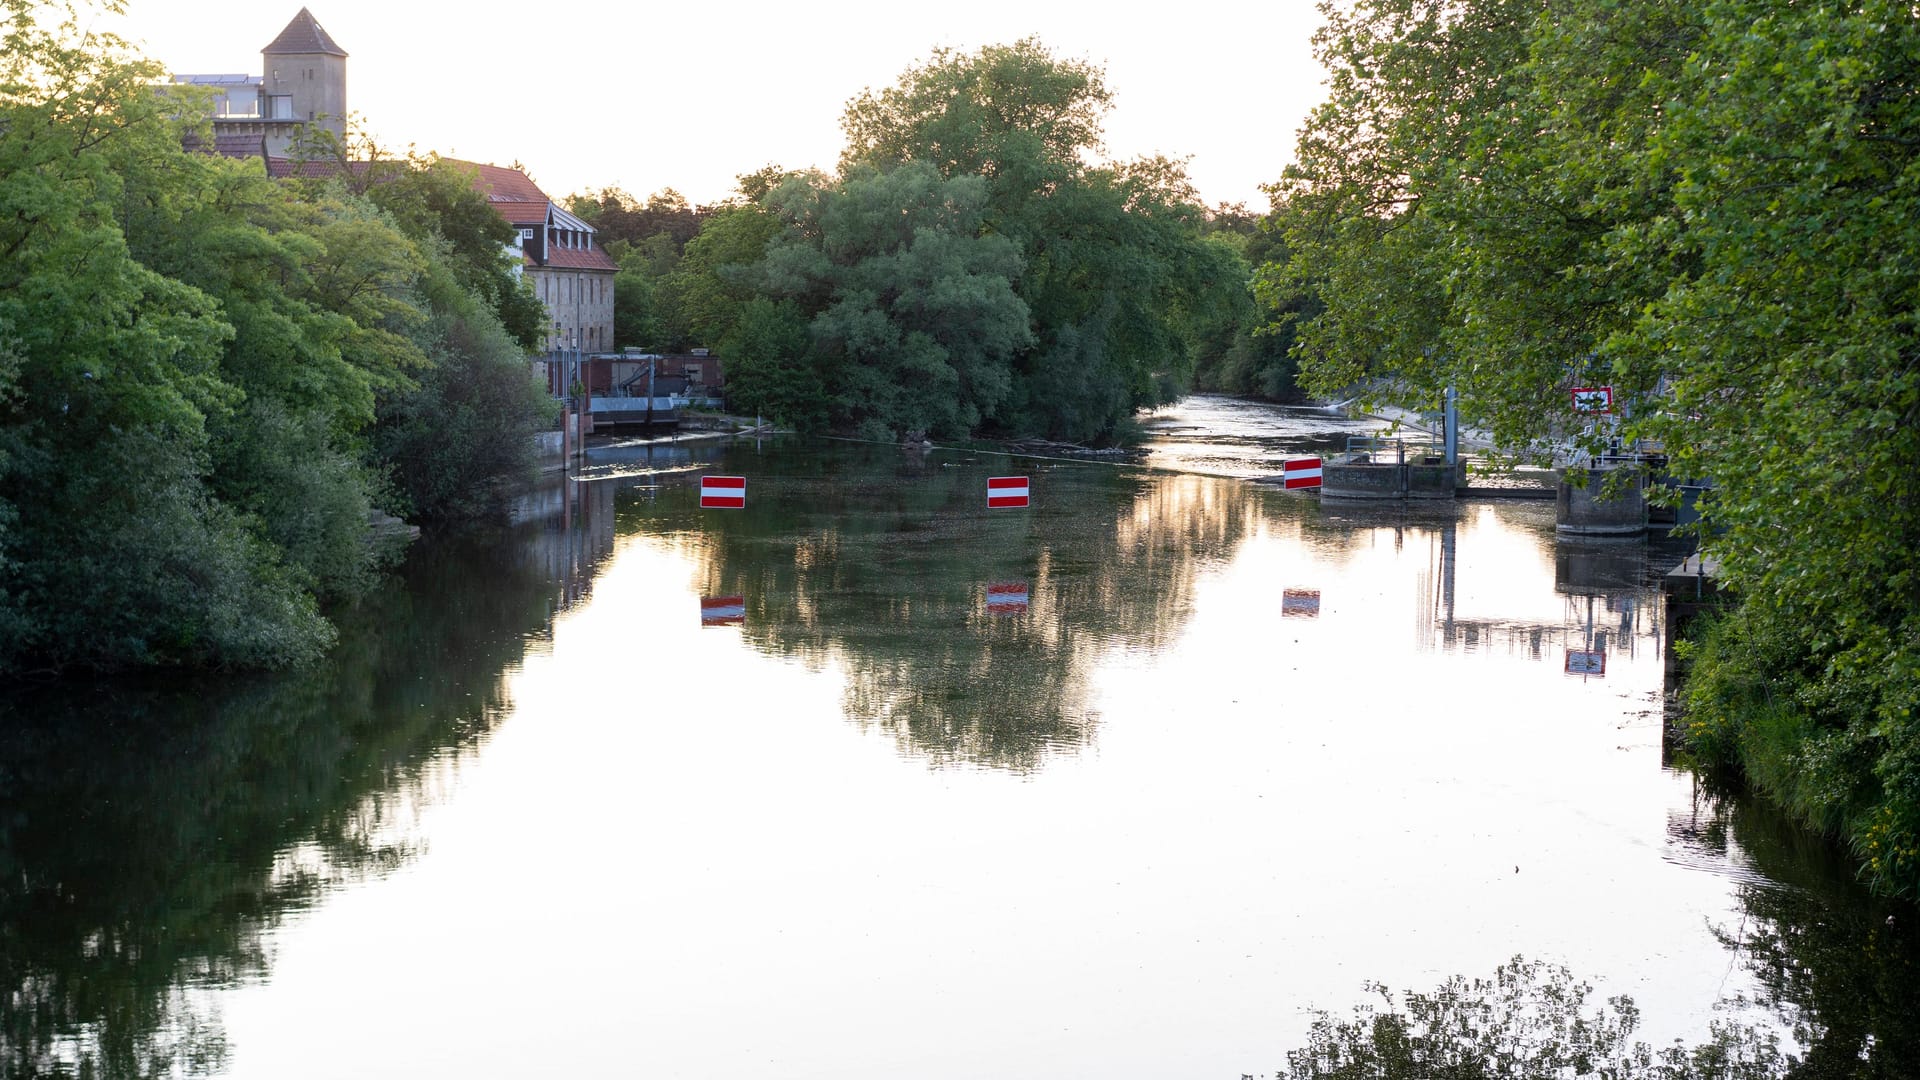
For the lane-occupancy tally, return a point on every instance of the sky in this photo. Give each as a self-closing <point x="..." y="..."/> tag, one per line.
<point x="690" y="96"/>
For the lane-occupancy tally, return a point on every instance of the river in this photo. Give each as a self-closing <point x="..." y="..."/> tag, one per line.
<point x="867" y="780"/>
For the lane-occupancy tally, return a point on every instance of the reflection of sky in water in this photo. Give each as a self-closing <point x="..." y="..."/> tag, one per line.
<point x="1223" y="436"/>
<point x="681" y="855"/>
<point x="1123" y="784"/>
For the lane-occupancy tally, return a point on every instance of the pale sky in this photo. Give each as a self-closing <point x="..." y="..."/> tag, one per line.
<point x="645" y="97"/>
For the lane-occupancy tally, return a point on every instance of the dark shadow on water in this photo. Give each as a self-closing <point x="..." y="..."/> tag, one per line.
<point x="150" y="833"/>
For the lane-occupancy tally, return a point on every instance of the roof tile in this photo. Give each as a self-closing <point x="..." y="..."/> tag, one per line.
<point x="304" y="35"/>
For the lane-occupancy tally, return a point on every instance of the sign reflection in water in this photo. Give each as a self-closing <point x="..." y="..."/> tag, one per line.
<point x="1115" y="834"/>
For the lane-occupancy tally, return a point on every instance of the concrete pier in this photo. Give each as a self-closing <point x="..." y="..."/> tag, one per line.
<point x="1591" y="510"/>
<point x="1425" y="478"/>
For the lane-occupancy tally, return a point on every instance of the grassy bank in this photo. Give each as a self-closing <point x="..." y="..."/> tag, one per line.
<point x="1835" y="744"/>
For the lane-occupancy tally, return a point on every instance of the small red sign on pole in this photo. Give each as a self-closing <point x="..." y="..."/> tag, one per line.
<point x="1593" y="399"/>
<point x="1300" y="472"/>
<point x="724" y="492"/>
<point x="723" y="610"/>
<point x="1006" y="491"/>
<point x="1007" y="598"/>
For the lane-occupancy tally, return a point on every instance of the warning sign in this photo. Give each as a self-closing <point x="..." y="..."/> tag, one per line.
<point x="723" y="492"/>
<point x="1301" y="472"/>
<point x="1006" y="491"/>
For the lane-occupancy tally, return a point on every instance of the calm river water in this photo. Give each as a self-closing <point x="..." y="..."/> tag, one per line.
<point x="865" y="780"/>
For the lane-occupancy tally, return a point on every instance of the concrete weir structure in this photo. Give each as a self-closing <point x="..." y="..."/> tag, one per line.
<point x="1590" y="509"/>
<point x="1426" y="478"/>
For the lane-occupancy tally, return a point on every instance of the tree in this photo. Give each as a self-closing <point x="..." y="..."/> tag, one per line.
<point x="1119" y="284"/>
<point x="191" y="360"/>
<point x="1711" y="209"/>
<point x="913" y="300"/>
<point x="113" y="549"/>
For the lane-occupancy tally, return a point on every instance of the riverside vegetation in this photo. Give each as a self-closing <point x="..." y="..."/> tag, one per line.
<point x="967" y="269"/>
<point x="210" y="379"/>
<point x="1713" y="208"/>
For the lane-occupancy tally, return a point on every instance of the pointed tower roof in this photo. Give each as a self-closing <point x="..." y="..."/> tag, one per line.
<point x="304" y="35"/>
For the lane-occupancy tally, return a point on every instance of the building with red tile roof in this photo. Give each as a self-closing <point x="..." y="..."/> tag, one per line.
<point x="305" y="83"/>
<point x="560" y="255"/>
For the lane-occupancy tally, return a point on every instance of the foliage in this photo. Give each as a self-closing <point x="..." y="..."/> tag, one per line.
<point x="1710" y="208"/>
<point x="1529" y="1022"/>
<point x="915" y="312"/>
<point x="648" y="240"/>
<point x="456" y="443"/>
<point x="771" y="369"/>
<point x="968" y="270"/>
<point x="622" y="219"/>
<point x="192" y="357"/>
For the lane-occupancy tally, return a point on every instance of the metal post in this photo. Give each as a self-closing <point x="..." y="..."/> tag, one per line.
<point x="1453" y="427"/>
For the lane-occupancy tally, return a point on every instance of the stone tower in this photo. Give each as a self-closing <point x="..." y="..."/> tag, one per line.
<point x="305" y="77"/>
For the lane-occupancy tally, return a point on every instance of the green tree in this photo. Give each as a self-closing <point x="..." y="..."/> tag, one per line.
<point x="192" y="359"/>
<point x="1118" y="280"/>
<point x="913" y="300"/>
<point x="1711" y="209"/>
<point x="114" y="549"/>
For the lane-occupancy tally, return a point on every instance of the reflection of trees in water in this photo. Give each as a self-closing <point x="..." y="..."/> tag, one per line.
<point x="150" y="835"/>
<point x="1828" y="960"/>
<point x="878" y="560"/>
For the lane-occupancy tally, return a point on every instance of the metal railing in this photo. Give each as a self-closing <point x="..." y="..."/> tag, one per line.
<point x="1390" y="449"/>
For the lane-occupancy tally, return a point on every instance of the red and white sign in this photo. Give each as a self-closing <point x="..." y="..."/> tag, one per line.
<point x="1587" y="663"/>
<point x="1300" y="603"/>
<point x="1593" y="399"/>
<point x="724" y="492"/>
<point x="1003" y="491"/>
<point x="1007" y="598"/>
<point x="723" y="610"/>
<point x="1300" y="472"/>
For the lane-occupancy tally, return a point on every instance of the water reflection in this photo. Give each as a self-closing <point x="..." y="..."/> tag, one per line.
<point x="872" y="560"/>
<point x="1224" y="436"/>
<point x="153" y="839"/>
<point x="1839" y="968"/>
<point x="152" y="834"/>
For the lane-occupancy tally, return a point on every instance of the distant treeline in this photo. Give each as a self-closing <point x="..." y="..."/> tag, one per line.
<point x="967" y="270"/>
<point x="210" y="381"/>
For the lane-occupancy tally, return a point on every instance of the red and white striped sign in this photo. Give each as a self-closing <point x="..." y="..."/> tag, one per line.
<point x="724" y="492"/>
<point x="1300" y="472"/>
<point x="1007" y="598"/>
<point x="1006" y="491"/>
<point x="723" y="610"/>
<point x="1301" y="603"/>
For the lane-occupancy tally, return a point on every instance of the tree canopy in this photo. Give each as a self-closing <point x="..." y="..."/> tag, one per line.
<point x="1711" y="208"/>
<point x="969" y="269"/>
<point x="202" y="371"/>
